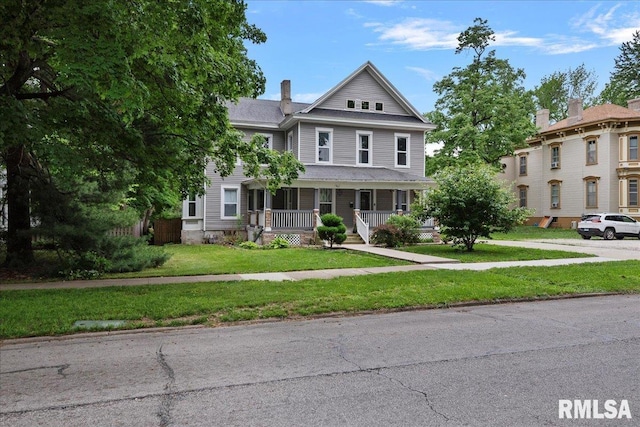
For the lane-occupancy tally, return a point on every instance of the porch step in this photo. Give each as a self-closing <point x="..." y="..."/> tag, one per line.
<point x="354" y="239"/>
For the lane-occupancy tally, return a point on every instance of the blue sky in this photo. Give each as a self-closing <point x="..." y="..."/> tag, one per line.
<point x="316" y="44"/>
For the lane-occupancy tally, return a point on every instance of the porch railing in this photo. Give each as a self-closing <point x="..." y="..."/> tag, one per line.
<point x="363" y="229"/>
<point x="292" y="219"/>
<point x="375" y="218"/>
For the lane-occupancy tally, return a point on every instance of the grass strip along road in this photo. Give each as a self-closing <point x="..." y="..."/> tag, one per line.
<point x="25" y="313"/>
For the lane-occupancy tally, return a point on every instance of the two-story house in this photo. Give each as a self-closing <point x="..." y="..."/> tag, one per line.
<point x="586" y="163"/>
<point x="362" y="144"/>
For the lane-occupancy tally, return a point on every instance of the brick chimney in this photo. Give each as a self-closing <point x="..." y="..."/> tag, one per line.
<point x="575" y="111"/>
<point x="285" y="97"/>
<point x="634" y="104"/>
<point x="542" y="120"/>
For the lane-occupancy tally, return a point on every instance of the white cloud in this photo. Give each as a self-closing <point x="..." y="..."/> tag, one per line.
<point x="384" y="2"/>
<point x="610" y="27"/>
<point x="424" y="72"/>
<point x="418" y="33"/>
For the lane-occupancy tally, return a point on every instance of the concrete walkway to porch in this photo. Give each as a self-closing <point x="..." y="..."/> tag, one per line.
<point x="402" y="255"/>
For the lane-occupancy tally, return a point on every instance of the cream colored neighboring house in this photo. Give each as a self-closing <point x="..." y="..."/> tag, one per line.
<point x="583" y="164"/>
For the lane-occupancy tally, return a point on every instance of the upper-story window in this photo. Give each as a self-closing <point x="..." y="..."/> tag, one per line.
<point x="351" y="103"/>
<point x="290" y="141"/>
<point x="633" y="147"/>
<point x="402" y="145"/>
<point x="365" y="105"/>
<point x="523" y="165"/>
<point x="592" y="152"/>
<point x="363" y="148"/>
<point x="324" y="144"/>
<point x="555" y="157"/>
<point x="268" y="141"/>
<point x="591" y="184"/>
<point x="555" y="194"/>
<point x="379" y="106"/>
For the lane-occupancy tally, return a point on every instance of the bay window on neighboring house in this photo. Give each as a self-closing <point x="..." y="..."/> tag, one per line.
<point x="592" y="152"/>
<point x="555" y="157"/>
<point x="402" y="144"/>
<point x="364" y="142"/>
<point x="591" y="188"/>
<point x="633" y="147"/>
<point x="324" y="143"/>
<point x="554" y="187"/>
<point x="523" y="165"/>
<point x="230" y="206"/>
<point x="522" y="195"/>
<point x="633" y="191"/>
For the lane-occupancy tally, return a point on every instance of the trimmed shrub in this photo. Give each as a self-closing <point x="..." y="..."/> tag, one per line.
<point x="407" y="228"/>
<point x="386" y="235"/>
<point x="332" y="229"/>
<point x="278" y="243"/>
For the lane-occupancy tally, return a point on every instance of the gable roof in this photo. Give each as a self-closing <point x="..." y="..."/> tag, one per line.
<point x="263" y="112"/>
<point x="381" y="79"/>
<point x="598" y="113"/>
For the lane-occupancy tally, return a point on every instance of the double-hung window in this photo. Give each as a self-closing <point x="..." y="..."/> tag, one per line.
<point x="523" y="165"/>
<point x="522" y="196"/>
<point x="402" y="144"/>
<point x="326" y="200"/>
<point x="592" y="152"/>
<point x="363" y="154"/>
<point x="633" y="192"/>
<point x="191" y="205"/>
<point x="555" y="194"/>
<point x="592" y="193"/>
<point x="555" y="157"/>
<point x="633" y="147"/>
<point x="324" y="143"/>
<point x="230" y="206"/>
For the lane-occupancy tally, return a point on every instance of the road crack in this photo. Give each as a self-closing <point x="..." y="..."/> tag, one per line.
<point x="413" y="390"/>
<point x="164" y="412"/>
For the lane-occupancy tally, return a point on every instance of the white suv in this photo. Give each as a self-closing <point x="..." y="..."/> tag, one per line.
<point x="608" y="225"/>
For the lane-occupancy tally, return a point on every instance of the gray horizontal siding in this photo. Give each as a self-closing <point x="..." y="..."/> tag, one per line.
<point x="365" y="88"/>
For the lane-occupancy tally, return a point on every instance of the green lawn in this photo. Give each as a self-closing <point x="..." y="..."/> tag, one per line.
<point x="53" y="312"/>
<point x="483" y="252"/>
<point x="191" y="260"/>
<point x="527" y="232"/>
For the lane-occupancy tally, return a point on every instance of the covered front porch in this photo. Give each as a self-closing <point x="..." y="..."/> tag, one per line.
<point x="363" y="202"/>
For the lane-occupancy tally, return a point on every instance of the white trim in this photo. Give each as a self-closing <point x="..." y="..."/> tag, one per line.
<point x="369" y="150"/>
<point x="330" y="145"/>
<point x="298" y="156"/>
<point x="395" y="150"/>
<point x="289" y="142"/>
<point x="222" y="203"/>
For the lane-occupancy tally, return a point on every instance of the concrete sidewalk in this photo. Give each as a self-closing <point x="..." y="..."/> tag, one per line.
<point x="603" y="250"/>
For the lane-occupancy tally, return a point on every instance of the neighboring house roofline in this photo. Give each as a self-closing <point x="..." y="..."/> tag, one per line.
<point x="380" y="78"/>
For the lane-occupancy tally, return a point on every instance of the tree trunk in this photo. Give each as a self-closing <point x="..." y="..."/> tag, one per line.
<point x="19" y="248"/>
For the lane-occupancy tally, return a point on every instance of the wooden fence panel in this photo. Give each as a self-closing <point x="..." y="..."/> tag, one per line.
<point x="167" y="231"/>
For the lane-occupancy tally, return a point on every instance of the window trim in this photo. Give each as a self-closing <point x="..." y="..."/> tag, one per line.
<point x="396" y="152"/>
<point x="289" y="146"/>
<point x="558" y="162"/>
<point x="629" y="158"/>
<point x="526" y="164"/>
<point x="223" y="204"/>
<point x="555" y="183"/>
<point x="588" y="143"/>
<point x="587" y="180"/>
<point x="369" y="150"/>
<point x="637" y="193"/>
<point x="329" y="147"/>
<point x="523" y="189"/>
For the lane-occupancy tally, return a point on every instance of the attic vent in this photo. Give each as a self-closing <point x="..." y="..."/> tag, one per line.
<point x="351" y="103"/>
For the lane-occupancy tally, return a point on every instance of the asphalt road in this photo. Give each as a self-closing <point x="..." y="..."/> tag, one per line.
<point x="502" y="365"/>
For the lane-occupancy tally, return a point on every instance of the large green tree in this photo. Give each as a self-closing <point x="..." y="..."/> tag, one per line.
<point x="121" y="102"/>
<point x="470" y="202"/>
<point x="483" y="111"/>
<point x="624" y="84"/>
<point x="556" y="89"/>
